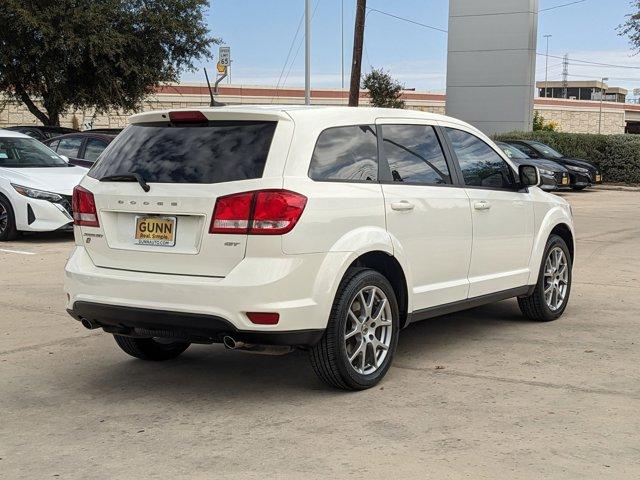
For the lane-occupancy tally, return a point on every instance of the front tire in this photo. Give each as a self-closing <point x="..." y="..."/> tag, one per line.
<point x="8" y="229"/>
<point x="551" y="295"/>
<point x="360" y="341"/>
<point x="149" y="348"/>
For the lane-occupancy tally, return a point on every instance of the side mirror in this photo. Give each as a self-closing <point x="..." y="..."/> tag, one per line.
<point x="64" y="157"/>
<point x="529" y="176"/>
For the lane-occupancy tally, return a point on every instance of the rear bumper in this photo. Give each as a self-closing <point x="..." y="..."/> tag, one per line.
<point x="135" y="321"/>
<point x="292" y="286"/>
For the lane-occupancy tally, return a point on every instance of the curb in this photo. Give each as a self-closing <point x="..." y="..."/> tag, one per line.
<point x="619" y="188"/>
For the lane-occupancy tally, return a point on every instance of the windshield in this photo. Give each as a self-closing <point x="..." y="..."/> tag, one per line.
<point x="27" y="153"/>
<point x="221" y="151"/>
<point x="546" y="150"/>
<point x="512" y="152"/>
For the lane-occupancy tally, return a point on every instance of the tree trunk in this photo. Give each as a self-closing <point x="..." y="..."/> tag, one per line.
<point x="35" y="111"/>
<point x="356" y="65"/>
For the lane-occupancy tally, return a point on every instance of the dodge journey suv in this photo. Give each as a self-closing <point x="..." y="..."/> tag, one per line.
<point x="328" y="229"/>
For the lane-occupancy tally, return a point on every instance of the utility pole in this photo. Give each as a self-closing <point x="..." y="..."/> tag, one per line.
<point x="565" y="76"/>
<point x="307" y="52"/>
<point x="342" y="43"/>
<point x="546" y="67"/>
<point x="356" y="64"/>
<point x="602" y="92"/>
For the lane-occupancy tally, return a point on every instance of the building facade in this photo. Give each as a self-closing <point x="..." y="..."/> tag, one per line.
<point x="575" y="116"/>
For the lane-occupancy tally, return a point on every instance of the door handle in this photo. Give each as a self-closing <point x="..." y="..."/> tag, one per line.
<point x="402" y="206"/>
<point x="482" y="205"/>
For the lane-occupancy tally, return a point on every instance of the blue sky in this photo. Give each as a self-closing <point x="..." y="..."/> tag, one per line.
<point x="260" y="33"/>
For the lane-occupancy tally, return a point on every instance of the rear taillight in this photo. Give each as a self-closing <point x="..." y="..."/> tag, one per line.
<point x="83" y="206"/>
<point x="264" y="212"/>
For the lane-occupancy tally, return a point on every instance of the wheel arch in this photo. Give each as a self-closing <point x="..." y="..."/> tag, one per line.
<point x="557" y="221"/>
<point x="390" y="267"/>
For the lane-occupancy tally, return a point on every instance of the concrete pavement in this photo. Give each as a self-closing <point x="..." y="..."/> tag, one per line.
<point x="479" y="394"/>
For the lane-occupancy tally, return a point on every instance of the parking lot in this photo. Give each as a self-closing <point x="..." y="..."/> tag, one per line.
<point x="479" y="394"/>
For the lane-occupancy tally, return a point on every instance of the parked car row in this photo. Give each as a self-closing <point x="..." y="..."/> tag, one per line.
<point x="553" y="166"/>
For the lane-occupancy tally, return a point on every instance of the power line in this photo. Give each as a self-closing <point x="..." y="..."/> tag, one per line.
<point x="587" y="62"/>
<point x="407" y="20"/>
<point x="293" y="41"/>
<point x="563" y="5"/>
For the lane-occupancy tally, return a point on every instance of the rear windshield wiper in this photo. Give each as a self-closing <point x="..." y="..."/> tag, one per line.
<point x="127" y="177"/>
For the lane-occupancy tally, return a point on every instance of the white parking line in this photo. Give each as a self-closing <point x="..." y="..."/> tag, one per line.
<point x="19" y="252"/>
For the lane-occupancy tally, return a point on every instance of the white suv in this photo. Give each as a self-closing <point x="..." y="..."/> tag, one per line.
<point x="323" y="228"/>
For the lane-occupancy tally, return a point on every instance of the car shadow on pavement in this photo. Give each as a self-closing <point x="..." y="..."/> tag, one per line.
<point x="27" y="238"/>
<point x="222" y="375"/>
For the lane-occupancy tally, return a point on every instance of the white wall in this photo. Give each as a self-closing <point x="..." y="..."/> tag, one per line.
<point x="491" y="63"/>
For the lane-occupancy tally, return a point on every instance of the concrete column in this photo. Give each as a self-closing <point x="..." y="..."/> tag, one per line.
<point x="491" y="63"/>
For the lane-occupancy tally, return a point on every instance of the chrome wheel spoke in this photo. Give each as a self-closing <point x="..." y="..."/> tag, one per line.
<point x="368" y="330"/>
<point x="556" y="279"/>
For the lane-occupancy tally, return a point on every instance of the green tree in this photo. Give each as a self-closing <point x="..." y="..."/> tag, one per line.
<point x="384" y="91"/>
<point x="631" y="28"/>
<point x="102" y="54"/>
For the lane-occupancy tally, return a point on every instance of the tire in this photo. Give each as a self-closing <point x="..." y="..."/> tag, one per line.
<point x="330" y="357"/>
<point x="535" y="306"/>
<point x="8" y="229"/>
<point x="578" y="189"/>
<point x="150" y="349"/>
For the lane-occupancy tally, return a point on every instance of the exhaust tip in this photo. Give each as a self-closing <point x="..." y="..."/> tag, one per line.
<point x="89" y="324"/>
<point x="229" y="342"/>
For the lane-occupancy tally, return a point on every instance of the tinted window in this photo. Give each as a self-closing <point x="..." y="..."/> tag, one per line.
<point x="69" y="147"/>
<point x="512" y="152"/>
<point x="346" y="153"/>
<point x="53" y="145"/>
<point x="27" y="152"/>
<point x="415" y="155"/>
<point x="93" y="149"/>
<point x="218" y="152"/>
<point x="546" y="150"/>
<point x="527" y="150"/>
<point x="481" y="165"/>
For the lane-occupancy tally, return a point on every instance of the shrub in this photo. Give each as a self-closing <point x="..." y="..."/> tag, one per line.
<point x="539" y="124"/>
<point x="617" y="156"/>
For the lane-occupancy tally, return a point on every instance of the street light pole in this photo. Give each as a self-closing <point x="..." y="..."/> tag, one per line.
<point x="307" y="51"/>
<point x="342" y="44"/>
<point x="546" y="67"/>
<point x="602" y="92"/>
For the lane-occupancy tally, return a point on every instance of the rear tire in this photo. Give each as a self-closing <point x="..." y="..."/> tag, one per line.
<point x="540" y="306"/>
<point x="8" y="229"/>
<point x="360" y="341"/>
<point x="150" y="349"/>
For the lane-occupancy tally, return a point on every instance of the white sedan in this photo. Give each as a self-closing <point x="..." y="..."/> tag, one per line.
<point x="36" y="186"/>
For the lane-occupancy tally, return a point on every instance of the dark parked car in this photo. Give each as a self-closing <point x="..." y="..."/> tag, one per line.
<point x="553" y="175"/>
<point x="582" y="173"/>
<point x="82" y="148"/>
<point x="40" y="132"/>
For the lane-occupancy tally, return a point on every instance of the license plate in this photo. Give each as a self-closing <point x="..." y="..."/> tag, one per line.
<point x="565" y="181"/>
<point x="156" y="231"/>
<point x="598" y="178"/>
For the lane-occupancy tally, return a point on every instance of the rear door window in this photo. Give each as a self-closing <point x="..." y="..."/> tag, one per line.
<point x="69" y="147"/>
<point x="93" y="149"/>
<point x="220" y="151"/>
<point x="415" y="155"/>
<point x="348" y="154"/>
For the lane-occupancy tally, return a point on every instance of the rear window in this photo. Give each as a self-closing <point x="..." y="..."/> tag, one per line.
<point x="221" y="151"/>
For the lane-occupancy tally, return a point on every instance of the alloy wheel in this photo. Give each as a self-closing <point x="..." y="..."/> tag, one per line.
<point x="4" y="218"/>
<point x="556" y="279"/>
<point x="368" y="330"/>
